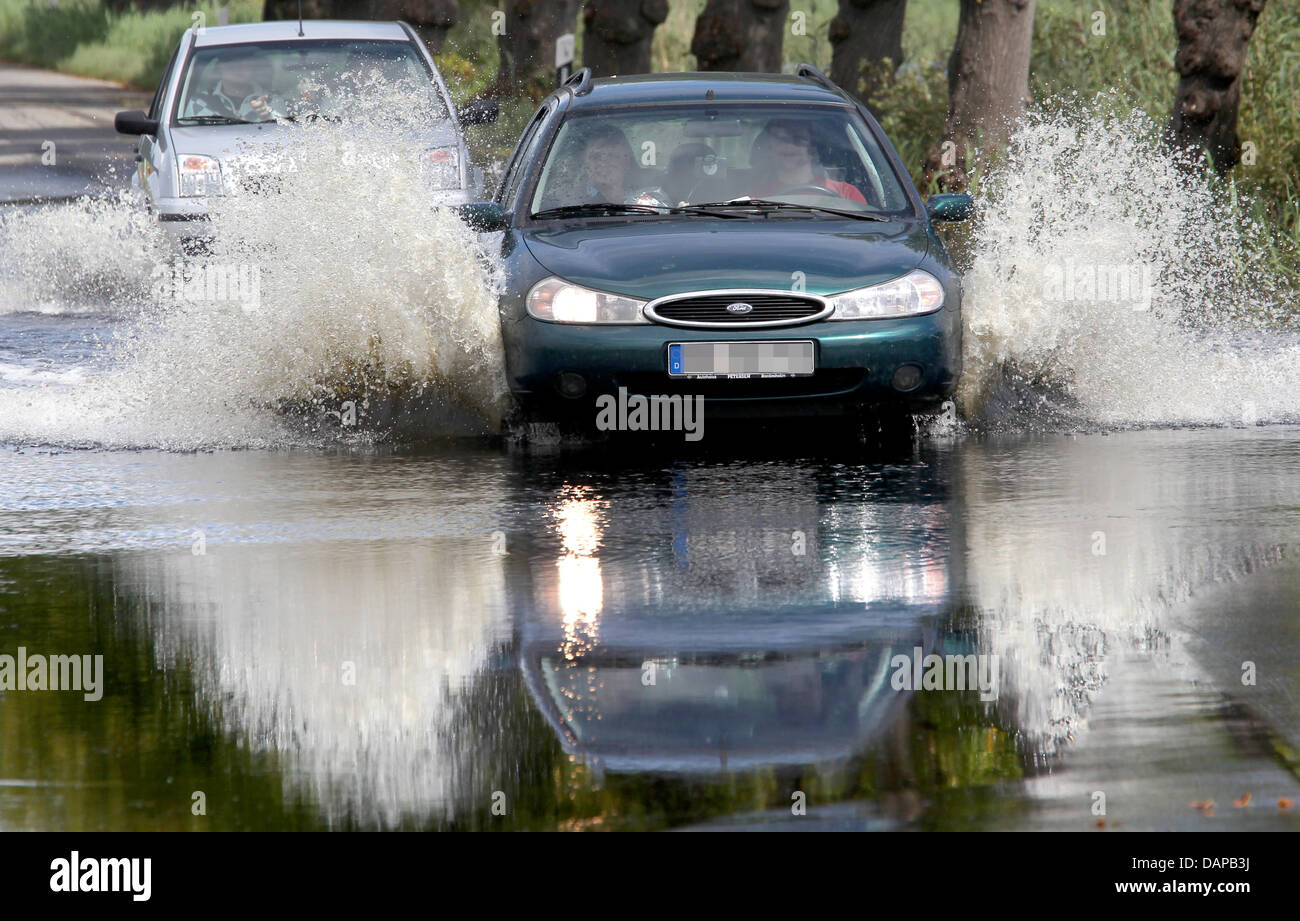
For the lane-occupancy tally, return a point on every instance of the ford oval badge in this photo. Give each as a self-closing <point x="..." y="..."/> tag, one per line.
<point x="739" y="307"/>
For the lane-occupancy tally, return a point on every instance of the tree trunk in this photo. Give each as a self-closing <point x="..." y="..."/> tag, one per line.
<point x="744" y="35"/>
<point x="988" y="83"/>
<point x="288" y="9"/>
<point x="867" y="38"/>
<point x="431" y="18"/>
<point x="527" y="47"/>
<point x="617" y="35"/>
<point x="1213" y="36"/>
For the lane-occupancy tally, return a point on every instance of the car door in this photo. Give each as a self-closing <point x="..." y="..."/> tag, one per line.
<point x="152" y="149"/>
<point x="522" y="158"/>
<point x="515" y="172"/>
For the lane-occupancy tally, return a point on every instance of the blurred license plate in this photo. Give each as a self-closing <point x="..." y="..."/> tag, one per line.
<point x="741" y="359"/>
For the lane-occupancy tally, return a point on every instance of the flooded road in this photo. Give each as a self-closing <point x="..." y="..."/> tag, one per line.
<point x="308" y="625"/>
<point x="391" y="639"/>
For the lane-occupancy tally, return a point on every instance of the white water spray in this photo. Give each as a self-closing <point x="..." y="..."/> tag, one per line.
<point x="1080" y="201"/>
<point x="366" y="295"/>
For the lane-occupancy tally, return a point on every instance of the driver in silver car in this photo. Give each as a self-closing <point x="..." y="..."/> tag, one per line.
<point x="242" y="91"/>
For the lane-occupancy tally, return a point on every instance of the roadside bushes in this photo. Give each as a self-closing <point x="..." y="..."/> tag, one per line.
<point x="87" y="38"/>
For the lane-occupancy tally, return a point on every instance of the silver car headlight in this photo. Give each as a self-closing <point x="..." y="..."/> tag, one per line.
<point x="200" y="176"/>
<point x="441" y="167"/>
<point x="561" y="301"/>
<point x="913" y="295"/>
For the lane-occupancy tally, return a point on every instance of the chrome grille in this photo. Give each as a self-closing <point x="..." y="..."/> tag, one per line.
<point x="725" y="309"/>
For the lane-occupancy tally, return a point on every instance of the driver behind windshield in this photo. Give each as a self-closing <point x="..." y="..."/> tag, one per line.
<point x="242" y="91"/>
<point x="607" y="161"/>
<point x="783" y="160"/>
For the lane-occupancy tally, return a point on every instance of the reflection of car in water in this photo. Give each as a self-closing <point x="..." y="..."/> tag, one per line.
<point x="750" y="238"/>
<point x="712" y="632"/>
<point x="229" y="89"/>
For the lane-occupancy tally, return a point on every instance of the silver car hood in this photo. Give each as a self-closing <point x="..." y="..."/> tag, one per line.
<point x="233" y="142"/>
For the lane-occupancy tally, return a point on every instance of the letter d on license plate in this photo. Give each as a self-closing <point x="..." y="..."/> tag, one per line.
<point x="754" y="358"/>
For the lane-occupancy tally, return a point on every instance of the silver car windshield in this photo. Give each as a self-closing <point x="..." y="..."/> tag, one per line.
<point x="266" y="81"/>
<point x="695" y="154"/>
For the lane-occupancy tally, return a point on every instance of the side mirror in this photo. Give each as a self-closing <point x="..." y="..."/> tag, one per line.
<point x="479" y="112"/>
<point x="135" y="122"/>
<point x="950" y="207"/>
<point x="484" y="216"/>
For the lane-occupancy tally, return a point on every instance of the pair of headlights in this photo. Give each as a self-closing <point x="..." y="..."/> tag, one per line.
<point x="559" y="301"/>
<point x="200" y="176"/>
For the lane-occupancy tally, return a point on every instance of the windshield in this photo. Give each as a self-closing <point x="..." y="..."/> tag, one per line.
<point x="263" y="81"/>
<point x="675" y="156"/>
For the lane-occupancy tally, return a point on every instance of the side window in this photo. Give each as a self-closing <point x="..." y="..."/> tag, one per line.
<point x="519" y="162"/>
<point x="156" y="105"/>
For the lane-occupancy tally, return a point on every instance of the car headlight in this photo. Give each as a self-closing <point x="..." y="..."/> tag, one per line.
<point x="441" y="166"/>
<point x="560" y="301"/>
<point x="200" y="176"/>
<point x="914" y="294"/>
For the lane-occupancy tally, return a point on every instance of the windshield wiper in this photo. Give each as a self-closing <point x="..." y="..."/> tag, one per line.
<point x="602" y="207"/>
<point x="615" y="208"/>
<point x="213" y="120"/>
<point x="767" y="204"/>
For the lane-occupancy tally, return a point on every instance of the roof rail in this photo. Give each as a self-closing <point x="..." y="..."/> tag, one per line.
<point x="815" y="75"/>
<point x="580" y="81"/>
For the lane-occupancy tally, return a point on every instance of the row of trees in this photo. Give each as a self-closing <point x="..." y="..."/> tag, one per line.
<point x="988" y="70"/>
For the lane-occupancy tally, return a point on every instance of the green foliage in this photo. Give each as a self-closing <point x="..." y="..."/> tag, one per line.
<point x="1131" y="64"/>
<point x="1123" y="63"/>
<point x="84" y="37"/>
<point x="33" y="33"/>
<point x="813" y="46"/>
<point x="929" y="30"/>
<point x="912" y="105"/>
<point x="670" y="50"/>
<point x="1270" y="120"/>
<point x="471" y="49"/>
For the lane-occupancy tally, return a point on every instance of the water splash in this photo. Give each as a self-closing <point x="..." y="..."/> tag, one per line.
<point x="1050" y="338"/>
<point x="91" y="256"/>
<point x="369" y="302"/>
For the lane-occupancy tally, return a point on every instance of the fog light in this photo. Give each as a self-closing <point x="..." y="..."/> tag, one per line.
<point x="907" y="377"/>
<point x="570" y="385"/>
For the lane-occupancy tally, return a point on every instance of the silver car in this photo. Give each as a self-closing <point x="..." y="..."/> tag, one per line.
<point x="230" y="89"/>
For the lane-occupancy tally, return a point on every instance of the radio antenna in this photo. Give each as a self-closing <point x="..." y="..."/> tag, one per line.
<point x="300" y="35"/>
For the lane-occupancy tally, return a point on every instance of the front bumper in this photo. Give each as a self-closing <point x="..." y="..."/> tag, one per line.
<point x="855" y="364"/>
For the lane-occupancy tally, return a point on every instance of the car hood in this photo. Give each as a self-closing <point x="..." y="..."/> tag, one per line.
<point x="649" y="259"/>
<point x="230" y="142"/>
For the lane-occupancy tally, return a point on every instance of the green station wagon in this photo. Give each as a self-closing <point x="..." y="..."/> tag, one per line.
<point x="749" y="241"/>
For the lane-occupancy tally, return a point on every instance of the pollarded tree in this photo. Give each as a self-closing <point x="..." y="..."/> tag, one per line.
<point x="867" y="38"/>
<point x="527" y="45"/>
<point x="744" y="35"/>
<point x="617" y="34"/>
<point x="431" y="18"/>
<point x="288" y="9"/>
<point x="988" y="85"/>
<point x="1213" y="37"/>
